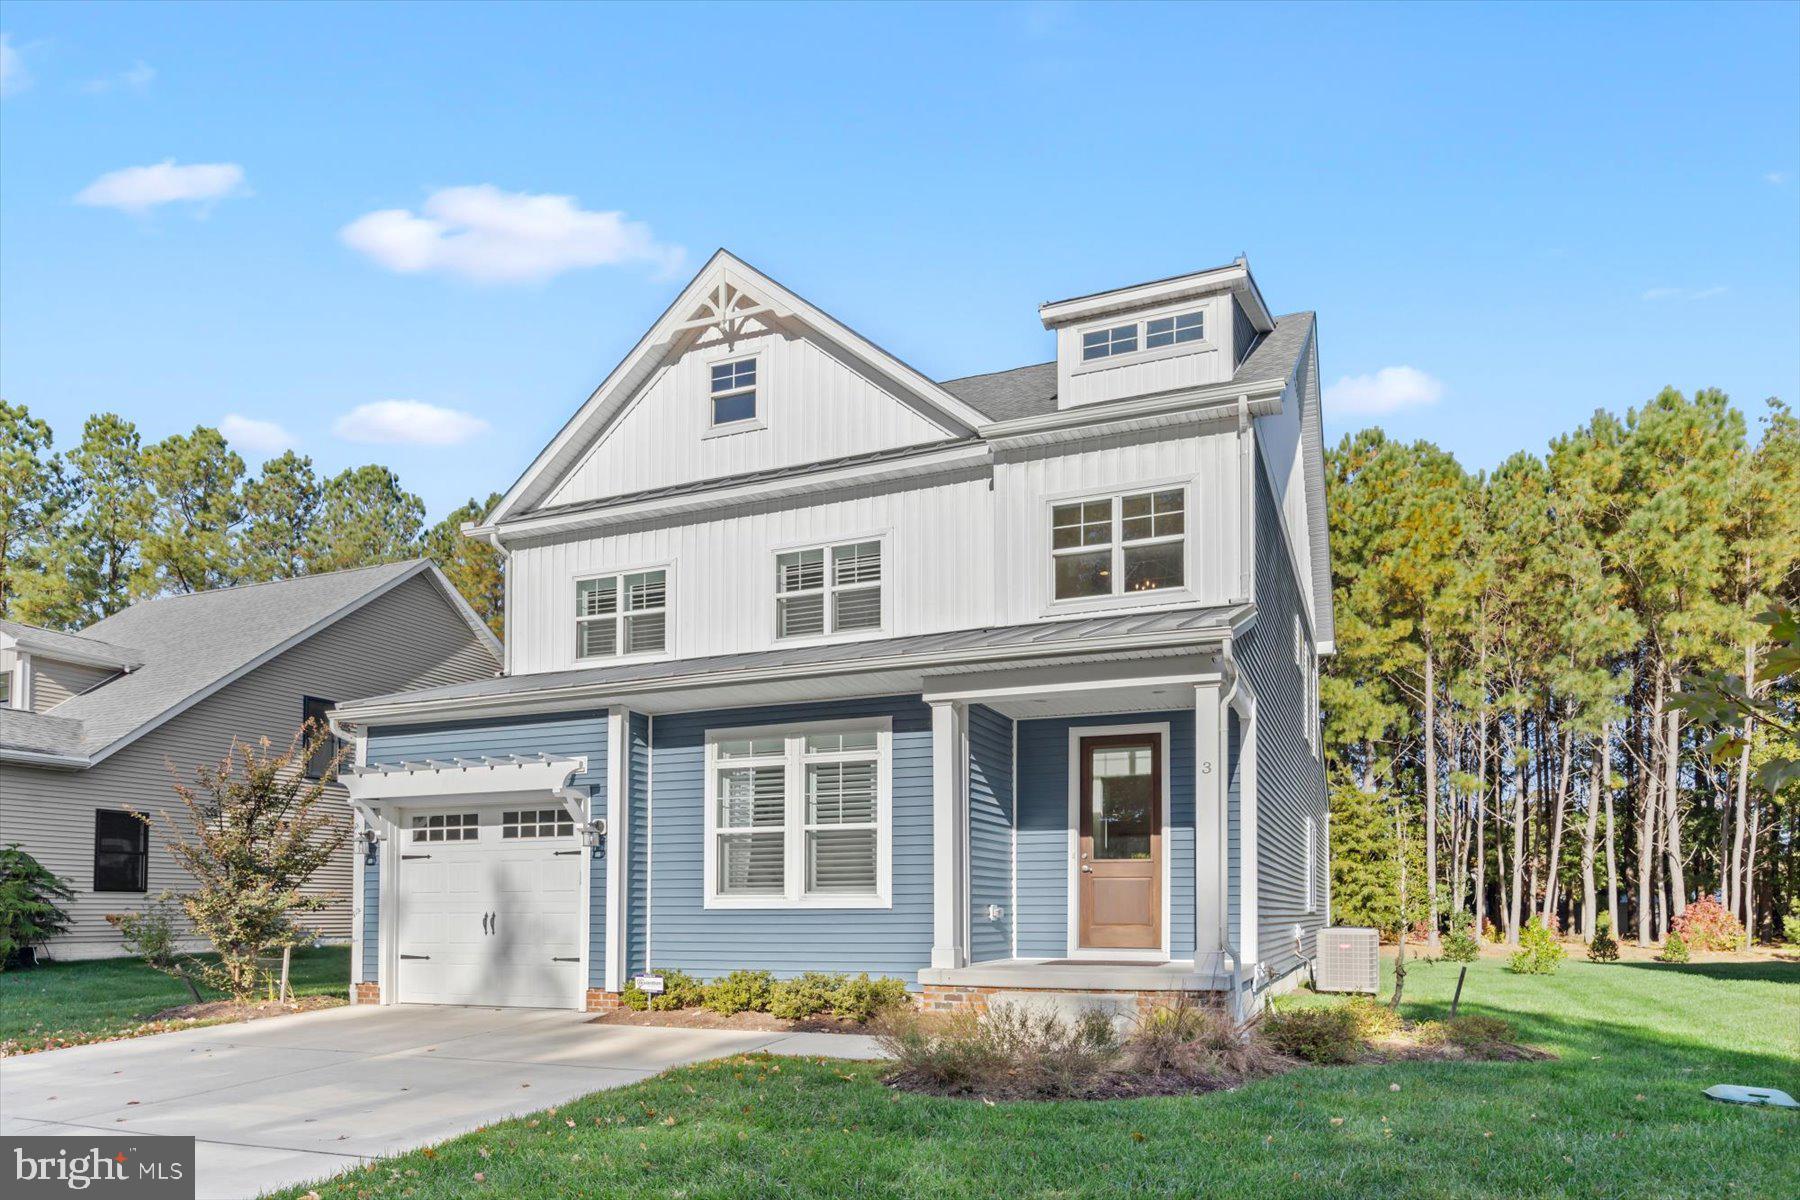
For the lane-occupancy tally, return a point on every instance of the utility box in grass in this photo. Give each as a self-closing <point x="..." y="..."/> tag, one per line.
<point x="1348" y="960"/>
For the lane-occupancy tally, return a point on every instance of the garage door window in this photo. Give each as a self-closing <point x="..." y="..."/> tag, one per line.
<point x="445" y="827"/>
<point x="537" y="823"/>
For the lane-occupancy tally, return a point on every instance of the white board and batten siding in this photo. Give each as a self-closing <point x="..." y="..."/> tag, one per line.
<point x="812" y="406"/>
<point x="409" y="637"/>
<point x="1187" y="365"/>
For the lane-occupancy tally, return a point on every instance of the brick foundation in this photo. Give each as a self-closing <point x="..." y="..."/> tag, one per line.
<point x="603" y="1001"/>
<point x="365" y="993"/>
<point x="948" y="998"/>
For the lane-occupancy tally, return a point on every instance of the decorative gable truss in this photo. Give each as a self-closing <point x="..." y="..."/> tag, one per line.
<point x="651" y="425"/>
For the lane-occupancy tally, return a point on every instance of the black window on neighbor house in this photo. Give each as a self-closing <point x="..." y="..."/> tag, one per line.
<point x="312" y="712"/>
<point x="121" y="852"/>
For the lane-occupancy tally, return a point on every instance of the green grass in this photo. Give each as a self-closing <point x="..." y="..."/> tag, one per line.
<point x="1619" y="1113"/>
<point x="72" y="1002"/>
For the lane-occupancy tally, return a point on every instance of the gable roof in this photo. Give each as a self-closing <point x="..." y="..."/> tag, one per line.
<point x="189" y="646"/>
<point x="678" y="325"/>
<point x="68" y="647"/>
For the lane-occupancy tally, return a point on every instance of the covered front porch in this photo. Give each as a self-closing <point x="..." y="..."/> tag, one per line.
<point x="1094" y="831"/>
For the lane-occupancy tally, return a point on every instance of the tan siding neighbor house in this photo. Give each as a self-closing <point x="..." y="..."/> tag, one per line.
<point x="170" y="683"/>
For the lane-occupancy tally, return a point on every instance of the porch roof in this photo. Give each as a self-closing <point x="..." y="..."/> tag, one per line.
<point x="893" y="664"/>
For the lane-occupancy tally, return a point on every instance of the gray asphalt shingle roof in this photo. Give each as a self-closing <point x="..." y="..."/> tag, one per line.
<point x="72" y="647"/>
<point x="1030" y="390"/>
<point x="189" y="643"/>
<point x="1049" y="636"/>
<point x="39" y="733"/>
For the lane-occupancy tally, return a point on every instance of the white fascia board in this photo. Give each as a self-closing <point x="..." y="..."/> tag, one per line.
<point x="35" y="758"/>
<point x="1217" y="401"/>
<point x="1235" y="278"/>
<point x="402" y="712"/>
<point x="61" y="652"/>
<point x="952" y="458"/>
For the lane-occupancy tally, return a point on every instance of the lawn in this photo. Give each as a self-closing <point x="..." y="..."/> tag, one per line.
<point x="72" y="1002"/>
<point x="1618" y="1113"/>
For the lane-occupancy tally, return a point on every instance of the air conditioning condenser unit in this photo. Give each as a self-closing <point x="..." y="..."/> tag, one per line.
<point x="1347" y="959"/>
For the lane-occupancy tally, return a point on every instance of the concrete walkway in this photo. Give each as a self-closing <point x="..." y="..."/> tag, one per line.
<point x="289" y="1099"/>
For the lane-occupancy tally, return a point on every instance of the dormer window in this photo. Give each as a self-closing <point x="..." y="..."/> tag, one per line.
<point x="1168" y="331"/>
<point x="1105" y="343"/>
<point x="733" y="392"/>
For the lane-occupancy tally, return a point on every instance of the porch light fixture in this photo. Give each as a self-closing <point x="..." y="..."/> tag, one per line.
<point x="371" y="845"/>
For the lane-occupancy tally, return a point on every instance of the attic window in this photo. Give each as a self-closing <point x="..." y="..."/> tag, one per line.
<point x="1167" y="331"/>
<point x="734" y="392"/>
<point x="1104" y="343"/>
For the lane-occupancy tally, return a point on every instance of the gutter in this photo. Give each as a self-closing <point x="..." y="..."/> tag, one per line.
<point x="1229" y="625"/>
<point x="43" y="758"/>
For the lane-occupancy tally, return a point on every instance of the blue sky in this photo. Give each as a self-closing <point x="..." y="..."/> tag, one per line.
<point x="1505" y="217"/>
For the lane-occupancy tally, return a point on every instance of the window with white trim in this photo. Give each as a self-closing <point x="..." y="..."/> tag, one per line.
<point x="798" y="816"/>
<point x="1312" y="868"/>
<point x="1113" y="545"/>
<point x="445" y="827"/>
<point x="828" y="589"/>
<point x="1307" y="662"/>
<point x="536" y="823"/>
<point x="1153" y="334"/>
<point x="627" y="613"/>
<point x="734" y="392"/>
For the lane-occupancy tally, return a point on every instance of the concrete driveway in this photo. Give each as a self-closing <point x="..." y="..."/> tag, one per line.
<point x="289" y="1099"/>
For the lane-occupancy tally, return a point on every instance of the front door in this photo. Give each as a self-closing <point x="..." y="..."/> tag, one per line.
<point x="1121" y="844"/>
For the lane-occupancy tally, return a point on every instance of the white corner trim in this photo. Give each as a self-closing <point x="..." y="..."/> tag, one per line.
<point x="1075" y="949"/>
<point x="949" y="814"/>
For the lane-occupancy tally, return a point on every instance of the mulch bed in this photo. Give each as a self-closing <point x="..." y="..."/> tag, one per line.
<point x="705" y="1018"/>
<point x="217" y="1012"/>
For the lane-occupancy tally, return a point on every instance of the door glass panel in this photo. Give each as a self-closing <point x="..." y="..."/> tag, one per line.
<point x="1124" y="791"/>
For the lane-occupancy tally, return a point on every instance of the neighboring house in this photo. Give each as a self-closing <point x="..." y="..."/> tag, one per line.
<point x="1005" y="682"/>
<point x="100" y="722"/>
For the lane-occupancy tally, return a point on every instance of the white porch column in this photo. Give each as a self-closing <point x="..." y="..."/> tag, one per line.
<point x="1210" y="783"/>
<point x="618" y="775"/>
<point x="1249" y="952"/>
<point x="949" y="834"/>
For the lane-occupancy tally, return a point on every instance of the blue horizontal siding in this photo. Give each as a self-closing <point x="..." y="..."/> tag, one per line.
<point x="1043" y="831"/>
<point x="557" y="733"/>
<point x="990" y="833"/>
<point x="371" y="922"/>
<point x="685" y="934"/>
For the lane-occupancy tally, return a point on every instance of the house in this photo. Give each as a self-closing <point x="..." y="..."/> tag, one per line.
<point x="1004" y="683"/>
<point x="97" y="723"/>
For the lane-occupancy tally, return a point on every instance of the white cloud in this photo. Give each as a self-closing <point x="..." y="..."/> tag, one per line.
<point x="137" y="189"/>
<point x="407" y="423"/>
<point x="258" y="437"/>
<point x="1777" y="177"/>
<point x="1675" y="293"/>
<point x="1387" y="390"/>
<point x="134" y="78"/>
<point x="14" y="77"/>
<point x="490" y="236"/>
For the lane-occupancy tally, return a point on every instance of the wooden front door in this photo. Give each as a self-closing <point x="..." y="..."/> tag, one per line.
<point x="1120" y="874"/>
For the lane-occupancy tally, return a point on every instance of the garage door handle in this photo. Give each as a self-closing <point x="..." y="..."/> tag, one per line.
<point x="485" y="918"/>
<point x="565" y="960"/>
<point x="405" y="857"/>
<point x="412" y="957"/>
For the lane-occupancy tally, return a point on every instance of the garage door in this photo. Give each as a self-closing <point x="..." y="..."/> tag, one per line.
<point x="490" y="907"/>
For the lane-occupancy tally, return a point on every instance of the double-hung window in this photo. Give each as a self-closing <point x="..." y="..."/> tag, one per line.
<point x="828" y="589"/>
<point x="734" y="392"/>
<point x="1114" y="545"/>
<point x="798" y="816"/>
<point x="622" y="614"/>
<point x="1312" y="868"/>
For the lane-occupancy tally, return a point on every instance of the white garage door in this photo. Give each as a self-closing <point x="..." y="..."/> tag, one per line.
<point x="489" y="907"/>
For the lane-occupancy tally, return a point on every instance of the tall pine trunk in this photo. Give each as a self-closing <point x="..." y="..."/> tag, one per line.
<point x="1648" y="809"/>
<point x="1562" y="802"/>
<point x="1612" y="858"/>
<point x="1481" y="756"/>
<point x="1672" y="810"/>
<point x="1589" y="829"/>
<point x="1432" y="944"/>
<point x="1737" y="880"/>
<point x="1515" y="897"/>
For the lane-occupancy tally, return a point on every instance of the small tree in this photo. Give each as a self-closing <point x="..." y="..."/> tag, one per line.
<point x="31" y="911"/>
<point x="1604" y="947"/>
<point x="1675" y="949"/>
<point x="1460" y="945"/>
<point x="253" y="832"/>
<point x="1539" y="952"/>
<point x="150" y="934"/>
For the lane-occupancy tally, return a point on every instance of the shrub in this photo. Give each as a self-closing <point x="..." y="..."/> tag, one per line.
<point x="806" y="996"/>
<point x="1373" y="1018"/>
<point x="862" y="999"/>
<point x="1674" y="950"/>
<point x="740" y="991"/>
<point x="1539" y="952"/>
<point x="1790" y="925"/>
<point x="150" y="934"/>
<point x="1604" y="947"/>
<point x="1015" y="1050"/>
<point x="1469" y="1032"/>
<point x="1708" y="925"/>
<point x="680" y="990"/>
<point x="1460" y="945"/>
<point x="31" y="911"/>
<point x="1198" y="1042"/>
<point x="1490" y="932"/>
<point x="1318" y="1035"/>
<point x="634" y="998"/>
